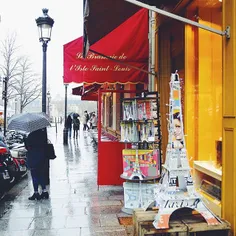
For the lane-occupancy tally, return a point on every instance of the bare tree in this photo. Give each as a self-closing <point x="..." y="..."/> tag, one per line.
<point x="26" y="84"/>
<point x="9" y="66"/>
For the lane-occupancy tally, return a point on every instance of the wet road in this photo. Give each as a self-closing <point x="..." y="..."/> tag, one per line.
<point x="75" y="207"/>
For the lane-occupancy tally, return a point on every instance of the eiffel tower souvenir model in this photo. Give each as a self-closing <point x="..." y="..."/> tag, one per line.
<point x="137" y="173"/>
<point x="176" y="189"/>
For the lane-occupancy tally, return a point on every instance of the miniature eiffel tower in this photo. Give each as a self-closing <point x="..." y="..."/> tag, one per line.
<point x="137" y="173"/>
<point x="176" y="189"/>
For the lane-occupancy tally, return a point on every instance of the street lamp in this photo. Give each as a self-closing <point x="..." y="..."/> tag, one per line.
<point x="4" y="97"/>
<point x="45" y="24"/>
<point x="65" y="130"/>
<point x="49" y="99"/>
<point x="15" y="106"/>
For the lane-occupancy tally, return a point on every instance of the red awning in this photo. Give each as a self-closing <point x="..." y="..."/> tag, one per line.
<point x="90" y="97"/>
<point x="128" y="43"/>
<point x="103" y="16"/>
<point x="87" y="91"/>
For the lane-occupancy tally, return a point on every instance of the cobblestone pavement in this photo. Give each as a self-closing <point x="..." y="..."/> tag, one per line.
<point x="76" y="207"/>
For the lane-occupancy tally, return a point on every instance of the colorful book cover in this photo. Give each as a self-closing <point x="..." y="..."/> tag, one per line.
<point x="148" y="162"/>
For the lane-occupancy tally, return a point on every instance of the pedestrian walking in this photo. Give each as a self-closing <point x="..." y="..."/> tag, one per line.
<point x="37" y="161"/>
<point x="85" y="121"/>
<point x="90" y="120"/>
<point x="69" y="125"/>
<point x="76" y="126"/>
<point x="94" y="121"/>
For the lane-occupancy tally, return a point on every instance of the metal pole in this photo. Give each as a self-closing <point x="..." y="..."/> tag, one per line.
<point x="65" y="130"/>
<point x="15" y="106"/>
<point x="5" y="105"/>
<point x="152" y="51"/>
<point x="44" y="78"/>
<point x="182" y="19"/>
<point x="49" y="106"/>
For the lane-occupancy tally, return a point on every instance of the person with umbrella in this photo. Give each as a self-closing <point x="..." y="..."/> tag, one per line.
<point x="37" y="161"/>
<point x="36" y="144"/>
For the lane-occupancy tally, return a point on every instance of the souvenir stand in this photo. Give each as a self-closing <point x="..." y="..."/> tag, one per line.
<point x="110" y="148"/>
<point x="140" y="131"/>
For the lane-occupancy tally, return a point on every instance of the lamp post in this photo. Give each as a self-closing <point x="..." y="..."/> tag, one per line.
<point x="45" y="24"/>
<point x="15" y="106"/>
<point x="65" y="130"/>
<point x="49" y="99"/>
<point x="4" y="97"/>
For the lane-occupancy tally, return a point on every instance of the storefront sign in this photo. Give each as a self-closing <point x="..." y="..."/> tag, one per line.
<point x="126" y="45"/>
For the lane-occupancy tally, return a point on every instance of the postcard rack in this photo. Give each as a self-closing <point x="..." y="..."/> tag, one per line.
<point x="140" y="131"/>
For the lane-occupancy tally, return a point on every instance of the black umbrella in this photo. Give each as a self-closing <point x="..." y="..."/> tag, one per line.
<point x="29" y="122"/>
<point x="75" y="115"/>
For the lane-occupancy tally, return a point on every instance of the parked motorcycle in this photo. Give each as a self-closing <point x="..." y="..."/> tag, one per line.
<point x="10" y="163"/>
<point x="4" y="177"/>
<point x="18" y="153"/>
<point x="14" y="138"/>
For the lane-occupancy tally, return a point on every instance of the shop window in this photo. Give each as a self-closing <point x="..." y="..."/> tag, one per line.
<point x="203" y="104"/>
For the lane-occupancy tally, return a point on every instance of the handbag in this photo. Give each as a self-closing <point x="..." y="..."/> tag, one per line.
<point x="50" y="152"/>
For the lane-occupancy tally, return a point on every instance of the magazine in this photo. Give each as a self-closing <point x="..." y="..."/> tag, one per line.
<point x="148" y="162"/>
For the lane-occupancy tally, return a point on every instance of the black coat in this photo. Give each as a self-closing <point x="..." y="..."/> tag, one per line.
<point x="69" y="122"/>
<point x="35" y="144"/>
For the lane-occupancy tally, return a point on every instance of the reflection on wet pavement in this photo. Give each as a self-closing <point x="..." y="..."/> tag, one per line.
<point x="75" y="207"/>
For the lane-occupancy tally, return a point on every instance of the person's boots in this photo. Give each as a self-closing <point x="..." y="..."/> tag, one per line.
<point x="35" y="196"/>
<point x="44" y="195"/>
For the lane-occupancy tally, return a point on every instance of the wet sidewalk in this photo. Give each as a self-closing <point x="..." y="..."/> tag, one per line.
<point x="76" y="207"/>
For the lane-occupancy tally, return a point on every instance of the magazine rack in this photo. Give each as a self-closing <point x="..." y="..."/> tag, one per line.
<point x="140" y="128"/>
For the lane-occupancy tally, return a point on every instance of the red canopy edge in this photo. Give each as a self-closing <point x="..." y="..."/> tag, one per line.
<point x="127" y="43"/>
<point x="91" y="97"/>
<point x="85" y="89"/>
<point x="87" y="92"/>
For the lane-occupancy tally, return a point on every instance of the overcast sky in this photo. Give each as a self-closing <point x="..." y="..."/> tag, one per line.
<point x="19" y="16"/>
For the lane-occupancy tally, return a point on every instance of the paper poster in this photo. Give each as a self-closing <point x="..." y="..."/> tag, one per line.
<point x="148" y="161"/>
<point x="138" y="195"/>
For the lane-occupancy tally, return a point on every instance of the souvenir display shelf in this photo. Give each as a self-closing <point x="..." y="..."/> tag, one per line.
<point x="208" y="183"/>
<point x="140" y="128"/>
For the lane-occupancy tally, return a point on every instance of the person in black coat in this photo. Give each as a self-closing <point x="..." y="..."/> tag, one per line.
<point x="69" y="125"/>
<point x="37" y="161"/>
<point x="76" y="126"/>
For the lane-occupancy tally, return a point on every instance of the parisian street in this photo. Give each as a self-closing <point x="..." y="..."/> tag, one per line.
<point x="76" y="207"/>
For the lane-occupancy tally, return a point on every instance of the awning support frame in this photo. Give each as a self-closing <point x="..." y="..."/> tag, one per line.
<point x="182" y="19"/>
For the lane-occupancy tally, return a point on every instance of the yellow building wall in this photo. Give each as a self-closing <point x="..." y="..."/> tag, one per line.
<point x="209" y="84"/>
<point x="203" y="85"/>
<point x="191" y="90"/>
<point x="229" y="115"/>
